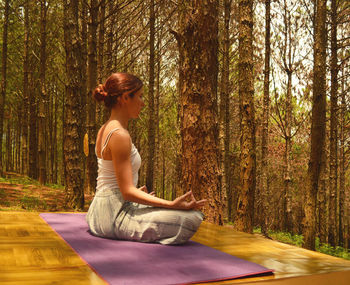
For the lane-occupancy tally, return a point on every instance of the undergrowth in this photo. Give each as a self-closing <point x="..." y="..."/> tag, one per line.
<point x="298" y="240"/>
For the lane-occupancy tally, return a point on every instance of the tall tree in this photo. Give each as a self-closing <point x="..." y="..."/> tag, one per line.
<point x="100" y="57"/>
<point x="42" y="116"/>
<point x="343" y="194"/>
<point x="25" y="117"/>
<point x="225" y="105"/>
<point x="318" y="123"/>
<point x="73" y="148"/>
<point x="265" y="122"/>
<point x="333" y="143"/>
<point x="151" y="115"/>
<point x="3" y="77"/>
<point x="91" y="83"/>
<point x="198" y="48"/>
<point x="245" y="205"/>
<point x="33" y="147"/>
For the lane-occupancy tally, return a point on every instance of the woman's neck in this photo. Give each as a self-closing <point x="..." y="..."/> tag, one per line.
<point x="120" y="116"/>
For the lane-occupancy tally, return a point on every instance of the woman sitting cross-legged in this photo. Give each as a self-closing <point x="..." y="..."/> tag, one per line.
<point x="119" y="209"/>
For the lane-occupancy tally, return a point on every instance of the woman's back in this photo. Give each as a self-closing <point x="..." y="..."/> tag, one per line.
<point x="106" y="177"/>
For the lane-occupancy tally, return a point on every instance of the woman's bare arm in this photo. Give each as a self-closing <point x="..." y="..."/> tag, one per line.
<point x="120" y="146"/>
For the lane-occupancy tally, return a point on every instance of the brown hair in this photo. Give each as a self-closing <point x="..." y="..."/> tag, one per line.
<point x="115" y="85"/>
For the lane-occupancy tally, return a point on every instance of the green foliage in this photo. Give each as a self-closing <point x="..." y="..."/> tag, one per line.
<point x="54" y="186"/>
<point x="32" y="203"/>
<point x="2" y="193"/>
<point x="298" y="240"/>
<point x="25" y="180"/>
<point x="328" y="249"/>
<point x="289" y="238"/>
<point x="20" y="180"/>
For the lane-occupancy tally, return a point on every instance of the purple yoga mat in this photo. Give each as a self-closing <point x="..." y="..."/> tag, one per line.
<point x="127" y="262"/>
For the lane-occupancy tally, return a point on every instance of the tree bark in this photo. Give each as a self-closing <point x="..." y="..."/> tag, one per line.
<point x="323" y="200"/>
<point x="198" y="48"/>
<point x="333" y="148"/>
<point x="151" y="115"/>
<point x="265" y="132"/>
<point x="100" y="55"/>
<point x="9" y="142"/>
<point x="225" y="108"/>
<point x="33" y="142"/>
<point x="84" y="98"/>
<point x="43" y="96"/>
<point x="3" y="77"/>
<point x="245" y="204"/>
<point x="72" y="142"/>
<point x="318" y="123"/>
<point x="92" y="83"/>
<point x="287" y="220"/>
<point x="25" y="117"/>
<point x="110" y="37"/>
<point x="342" y="191"/>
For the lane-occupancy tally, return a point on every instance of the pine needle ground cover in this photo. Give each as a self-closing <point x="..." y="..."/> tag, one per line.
<point x="21" y="193"/>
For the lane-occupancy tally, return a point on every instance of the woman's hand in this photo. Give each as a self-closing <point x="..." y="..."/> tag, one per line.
<point x="144" y="189"/>
<point x="181" y="202"/>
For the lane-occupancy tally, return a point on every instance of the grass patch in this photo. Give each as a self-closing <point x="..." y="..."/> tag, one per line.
<point x="24" y="180"/>
<point x="32" y="203"/>
<point x="54" y="186"/>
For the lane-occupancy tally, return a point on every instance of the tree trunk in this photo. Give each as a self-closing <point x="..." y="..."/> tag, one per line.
<point x="245" y="204"/>
<point x="72" y="142"/>
<point x="318" y="123"/>
<point x="9" y="142"/>
<point x="91" y="162"/>
<point x="151" y="117"/>
<point x="333" y="149"/>
<point x="18" y="130"/>
<point x="83" y="101"/>
<point x="265" y="132"/>
<point x="110" y="29"/>
<point x="342" y="192"/>
<point x="225" y="108"/>
<point x="25" y="117"/>
<point x="198" y="48"/>
<point x="322" y="197"/>
<point x="156" y="99"/>
<point x="43" y="96"/>
<point x="100" y="50"/>
<point x="55" y="153"/>
<point x="287" y="220"/>
<point x="3" y="77"/>
<point x="33" y="145"/>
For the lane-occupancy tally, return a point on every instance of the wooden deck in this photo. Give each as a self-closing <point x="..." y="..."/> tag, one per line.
<point x="32" y="253"/>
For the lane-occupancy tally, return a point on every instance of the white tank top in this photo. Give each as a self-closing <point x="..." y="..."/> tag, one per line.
<point x="106" y="175"/>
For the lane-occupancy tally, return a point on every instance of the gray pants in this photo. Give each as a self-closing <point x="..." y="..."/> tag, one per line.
<point x="110" y="216"/>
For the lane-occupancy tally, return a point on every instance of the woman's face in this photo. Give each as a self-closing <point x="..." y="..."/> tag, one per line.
<point x="136" y="104"/>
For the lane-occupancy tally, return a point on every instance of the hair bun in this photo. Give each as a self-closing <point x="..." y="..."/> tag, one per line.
<point x="100" y="93"/>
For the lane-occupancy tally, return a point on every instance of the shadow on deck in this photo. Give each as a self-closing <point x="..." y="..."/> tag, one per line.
<point x="32" y="253"/>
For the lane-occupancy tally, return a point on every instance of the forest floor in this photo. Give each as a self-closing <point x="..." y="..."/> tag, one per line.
<point x="21" y="193"/>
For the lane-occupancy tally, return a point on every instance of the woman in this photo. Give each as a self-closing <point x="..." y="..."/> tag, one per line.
<point x="119" y="210"/>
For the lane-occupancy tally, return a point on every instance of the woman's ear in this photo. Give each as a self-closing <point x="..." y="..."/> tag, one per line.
<point x="124" y="98"/>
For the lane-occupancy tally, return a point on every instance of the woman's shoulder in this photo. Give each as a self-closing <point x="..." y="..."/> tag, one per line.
<point x="120" y="137"/>
<point x="113" y="128"/>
